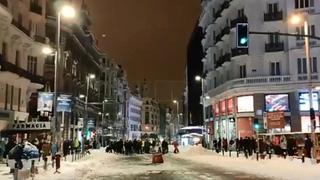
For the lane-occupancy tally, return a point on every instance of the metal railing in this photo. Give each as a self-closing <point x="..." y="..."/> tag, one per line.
<point x="264" y="81"/>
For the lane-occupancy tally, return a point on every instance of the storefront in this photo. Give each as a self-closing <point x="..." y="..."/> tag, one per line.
<point x="29" y="130"/>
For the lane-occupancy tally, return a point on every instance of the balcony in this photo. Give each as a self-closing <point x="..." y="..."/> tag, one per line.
<point x="239" y="51"/>
<point x="40" y="39"/>
<point x="273" y="16"/>
<point x="240" y="19"/>
<point x="7" y="66"/>
<point x="36" y="8"/>
<point x="224" y="6"/>
<point x="223" y="59"/>
<point x="263" y="83"/>
<point x="20" y="27"/>
<point x="274" y="47"/>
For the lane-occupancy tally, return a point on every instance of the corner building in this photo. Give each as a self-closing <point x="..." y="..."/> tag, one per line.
<point x="270" y="75"/>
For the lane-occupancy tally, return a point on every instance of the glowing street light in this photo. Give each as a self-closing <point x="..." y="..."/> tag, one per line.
<point x="198" y="78"/>
<point x="47" y="50"/>
<point x="68" y="11"/>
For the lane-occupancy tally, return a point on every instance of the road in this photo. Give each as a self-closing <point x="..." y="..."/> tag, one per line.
<point x="172" y="169"/>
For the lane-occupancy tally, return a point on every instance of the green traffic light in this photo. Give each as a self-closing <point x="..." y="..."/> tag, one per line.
<point x="243" y="40"/>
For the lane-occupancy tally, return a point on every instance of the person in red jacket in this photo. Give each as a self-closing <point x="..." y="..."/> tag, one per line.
<point x="175" y="145"/>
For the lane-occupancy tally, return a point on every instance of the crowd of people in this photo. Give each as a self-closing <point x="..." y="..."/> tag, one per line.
<point x="280" y="146"/>
<point x="137" y="146"/>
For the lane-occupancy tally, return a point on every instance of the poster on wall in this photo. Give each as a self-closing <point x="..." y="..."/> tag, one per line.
<point x="216" y="109"/>
<point x="45" y="101"/>
<point x="245" y="104"/>
<point x="230" y="106"/>
<point x="223" y="107"/>
<point x="277" y="102"/>
<point x="304" y="102"/>
<point x="64" y="103"/>
<point x="275" y="120"/>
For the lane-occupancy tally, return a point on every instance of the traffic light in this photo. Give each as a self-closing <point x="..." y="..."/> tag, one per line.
<point x="256" y="123"/>
<point x="242" y="35"/>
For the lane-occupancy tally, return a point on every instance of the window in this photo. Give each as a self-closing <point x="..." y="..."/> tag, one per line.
<point x="32" y="65"/>
<point x="243" y="71"/>
<point x="274" y="38"/>
<point x="314" y="68"/>
<point x="304" y="3"/>
<point x="147" y="118"/>
<point x="302" y="66"/>
<point x="241" y="13"/>
<point x="18" y="58"/>
<point x="273" y="7"/>
<point x="4" y="51"/>
<point x="275" y="69"/>
<point x="300" y="30"/>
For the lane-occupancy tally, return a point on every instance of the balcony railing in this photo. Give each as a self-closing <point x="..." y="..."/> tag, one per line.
<point x="36" y="8"/>
<point x="240" y="19"/>
<point x="224" y="6"/>
<point x="7" y="66"/>
<point x="239" y="51"/>
<point x="263" y="81"/>
<point x="274" y="47"/>
<point x="40" y="39"/>
<point x="20" y="26"/>
<point x="273" y="16"/>
<point x="223" y="59"/>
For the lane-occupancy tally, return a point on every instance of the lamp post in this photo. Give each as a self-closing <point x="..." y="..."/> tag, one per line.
<point x="296" y="20"/>
<point x="178" y="119"/>
<point x="200" y="79"/>
<point x="67" y="12"/>
<point x="88" y="78"/>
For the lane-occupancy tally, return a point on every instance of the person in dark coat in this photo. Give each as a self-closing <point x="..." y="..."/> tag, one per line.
<point x="66" y="147"/>
<point x="164" y="146"/>
<point x="291" y="145"/>
<point x="308" y="146"/>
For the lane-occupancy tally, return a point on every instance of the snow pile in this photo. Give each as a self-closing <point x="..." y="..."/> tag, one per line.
<point x="195" y="150"/>
<point x="291" y="169"/>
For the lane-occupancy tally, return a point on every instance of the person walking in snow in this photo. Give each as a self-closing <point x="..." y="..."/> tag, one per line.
<point x="175" y="146"/>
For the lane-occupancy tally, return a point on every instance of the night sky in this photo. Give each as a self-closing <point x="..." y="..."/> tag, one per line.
<point x="147" y="37"/>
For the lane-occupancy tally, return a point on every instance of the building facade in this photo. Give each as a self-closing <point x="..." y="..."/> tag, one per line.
<point x="150" y="117"/>
<point x="245" y="84"/>
<point x="22" y="37"/>
<point x="133" y="125"/>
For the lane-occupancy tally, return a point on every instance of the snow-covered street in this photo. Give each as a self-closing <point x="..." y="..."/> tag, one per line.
<point x="192" y="163"/>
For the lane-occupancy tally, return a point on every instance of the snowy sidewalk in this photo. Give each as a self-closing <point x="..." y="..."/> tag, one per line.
<point x="278" y="168"/>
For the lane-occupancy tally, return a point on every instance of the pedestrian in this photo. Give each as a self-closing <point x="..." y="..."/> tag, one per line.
<point x="164" y="146"/>
<point x="66" y="147"/>
<point x="45" y="153"/>
<point x="291" y="146"/>
<point x="175" y="146"/>
<point x="54" y="150"/>
<point x="308" y="146"/>
<point x="283" y="145"/>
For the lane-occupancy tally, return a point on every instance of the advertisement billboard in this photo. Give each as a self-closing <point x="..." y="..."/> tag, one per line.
<point x="245" y="104"/>
<point x="45" y="101"/>
<point x="230" y="106"/>
<point x="64" y="103"/>
<point x="277" y="102"/>
<point x="223" y="107"/>
<point x="304" y="102"/>
<point x="275" y="120"/>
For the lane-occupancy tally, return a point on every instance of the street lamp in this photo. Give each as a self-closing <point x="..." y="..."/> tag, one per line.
<point x="178" y="119"/>
<point x="200" y="79"/>
<point x="67" y="12"/>
<point x="88" y="78"/>
<point x="298" y="19"/>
